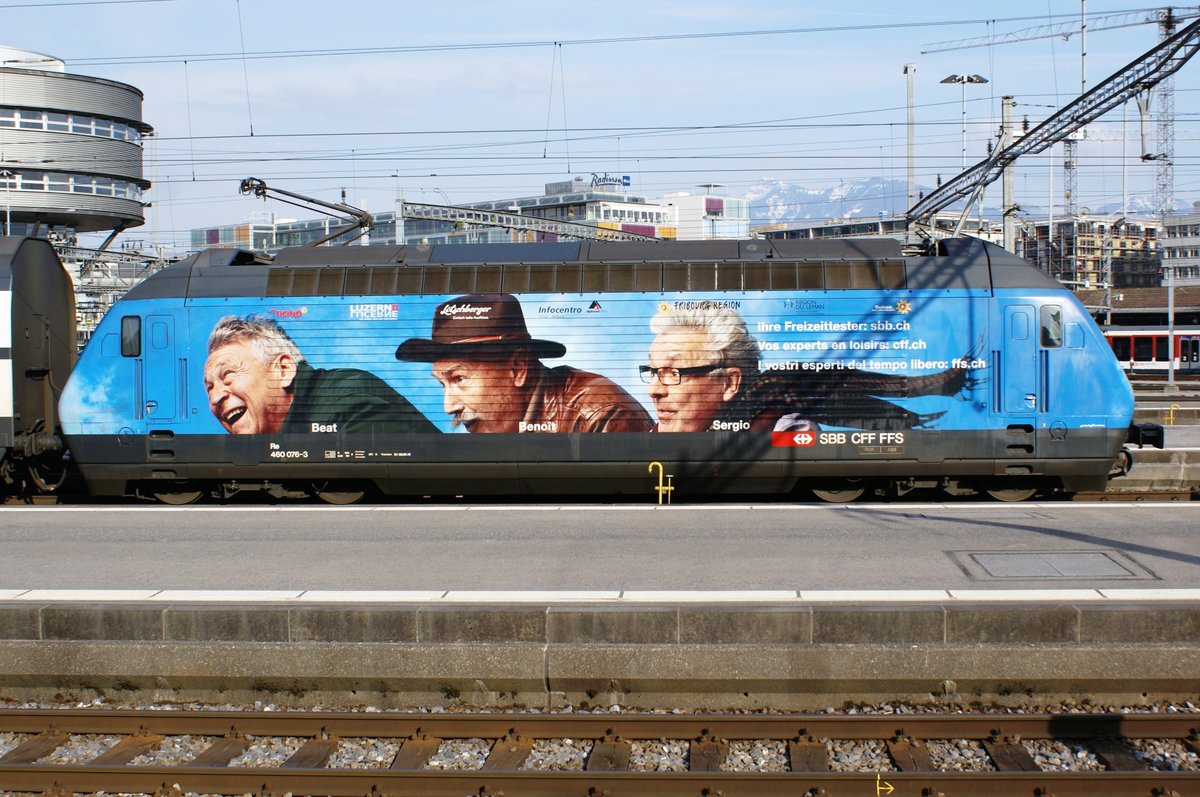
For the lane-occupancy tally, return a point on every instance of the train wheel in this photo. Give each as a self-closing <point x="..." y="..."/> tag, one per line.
<point x="338" y="494"/>
<point x="177" y="494"/>
<point x="1012" y="494"/>
<point x="842" y="493"/>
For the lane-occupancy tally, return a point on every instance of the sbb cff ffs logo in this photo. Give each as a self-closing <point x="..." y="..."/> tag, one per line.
<point x="806" y="439"/>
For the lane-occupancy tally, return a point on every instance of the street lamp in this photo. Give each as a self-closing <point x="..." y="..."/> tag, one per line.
<point x="963" y="80"/>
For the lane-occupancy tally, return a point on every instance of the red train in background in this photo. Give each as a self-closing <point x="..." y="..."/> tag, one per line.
<point x="1150" y="349"/>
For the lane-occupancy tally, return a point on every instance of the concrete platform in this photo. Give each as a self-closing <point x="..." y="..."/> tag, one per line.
<point x="1168" y="469"/>
<point x="798" y="655"/>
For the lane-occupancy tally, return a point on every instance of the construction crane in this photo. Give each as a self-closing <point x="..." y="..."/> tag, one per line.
<point x="1154" y="66"/>
<point x="1166" y="19"/>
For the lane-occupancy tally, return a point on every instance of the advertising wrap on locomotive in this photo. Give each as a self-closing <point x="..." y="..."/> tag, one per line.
<point x="739" y="366"/>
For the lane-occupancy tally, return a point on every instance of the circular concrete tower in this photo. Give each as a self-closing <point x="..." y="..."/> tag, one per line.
<point x="70" y="148"/>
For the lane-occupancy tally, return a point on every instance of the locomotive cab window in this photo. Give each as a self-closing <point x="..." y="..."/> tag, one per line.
<point x="131" y="336"/>
<point x="1052" y="329"/>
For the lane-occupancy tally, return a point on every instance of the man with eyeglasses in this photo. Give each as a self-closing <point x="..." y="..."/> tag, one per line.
<point x="701" y="359"/>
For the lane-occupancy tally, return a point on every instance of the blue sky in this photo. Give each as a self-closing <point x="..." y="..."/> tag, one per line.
<point x="477" y="100"/>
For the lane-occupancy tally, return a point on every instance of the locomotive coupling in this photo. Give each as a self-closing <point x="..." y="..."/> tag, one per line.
<point x="32" y="445"/>
<point x="1146" y="434"/>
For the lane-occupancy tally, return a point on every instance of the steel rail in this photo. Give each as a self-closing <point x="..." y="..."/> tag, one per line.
<point x="595" y="726"/>
<point x="356" y="783"/>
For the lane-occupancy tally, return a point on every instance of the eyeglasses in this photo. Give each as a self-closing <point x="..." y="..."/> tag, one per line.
<point x="673" y="376"/>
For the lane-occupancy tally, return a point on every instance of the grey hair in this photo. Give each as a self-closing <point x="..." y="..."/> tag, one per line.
<point x="261" y="333"/>
<point x="726" y="332"/>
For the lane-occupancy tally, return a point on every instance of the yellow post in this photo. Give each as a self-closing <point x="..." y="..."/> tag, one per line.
<point x="662" y="489"/>
<point x="1170" y="415"/>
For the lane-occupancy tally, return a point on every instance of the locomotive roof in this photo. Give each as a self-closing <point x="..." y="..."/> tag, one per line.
<point x="965" y="263"/>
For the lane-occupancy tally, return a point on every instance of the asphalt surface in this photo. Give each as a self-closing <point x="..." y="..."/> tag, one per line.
<point x="598" y="547"/>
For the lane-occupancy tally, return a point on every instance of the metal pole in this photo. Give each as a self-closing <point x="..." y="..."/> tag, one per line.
<point x="964" y="123"/>
<point x="7" y="175"/>
<point x="1008" y="222"/>
<point x="910" y="70"/>
<point x="1170" y="329"/>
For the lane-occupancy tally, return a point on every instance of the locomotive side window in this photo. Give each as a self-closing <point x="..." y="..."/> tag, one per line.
<point x="783" y="277"/>
<point x="758" y="276"/>
<point x="648" y="277"/>
<point x="462" y="279"/>
<point x="864" y="275"/>
<point x="516" y="279"/>
<point x="588" y="278"/>
<point x="595" y="278"/>
<point x="437" y="280"/>
<point x="541" y="278"/>
<point x="358" y="281"/>
<point x="729" y="277"/>
<point x="1051" y="322"/>
<point x="892" y="275"/>
<point x="131" y="336"/>
<point x="568" y="278"/>
<point x="703" y="277"/>
<point x="383" y="280"/>
<point x="620" y="277"/>
<point x="487" y="279"/>
<point x="330" y="281"/>
<point x="837" y="276"/>
<point x="675" y="277"/>
<point x="279" y="282"/>
<point x="304" y="282"/>
<point x="811" y="276"/>
<point x="408" y="280"/>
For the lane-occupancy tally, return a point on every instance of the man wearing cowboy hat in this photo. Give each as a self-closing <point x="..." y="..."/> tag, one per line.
<point x="493" y="378"/>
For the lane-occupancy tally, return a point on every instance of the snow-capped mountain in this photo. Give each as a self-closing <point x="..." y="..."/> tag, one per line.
<point x="776" y="201"/>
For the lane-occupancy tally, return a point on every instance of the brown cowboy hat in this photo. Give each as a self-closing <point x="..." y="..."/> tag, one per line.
<point x="475" y="324"/>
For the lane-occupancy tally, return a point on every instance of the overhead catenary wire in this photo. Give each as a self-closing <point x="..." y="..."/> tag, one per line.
<point x="496" y="45"/>
<point x="461" y="153"/>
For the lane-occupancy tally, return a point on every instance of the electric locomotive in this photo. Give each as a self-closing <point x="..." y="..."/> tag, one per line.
<point x="37" y="351"/>
<point x="564" y="368"/>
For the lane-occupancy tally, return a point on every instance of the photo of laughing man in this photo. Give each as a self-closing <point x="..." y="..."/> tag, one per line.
<point x="258" y="382"/>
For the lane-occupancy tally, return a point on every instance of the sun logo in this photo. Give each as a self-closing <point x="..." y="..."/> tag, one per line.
<point x="663" y="307"/>
<point x="902" y="307"/>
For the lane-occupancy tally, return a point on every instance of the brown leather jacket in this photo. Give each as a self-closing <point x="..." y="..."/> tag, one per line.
<point x="566" y="399"/>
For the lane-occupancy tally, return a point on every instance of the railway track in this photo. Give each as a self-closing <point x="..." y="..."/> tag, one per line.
<point x="122" y="741"/>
